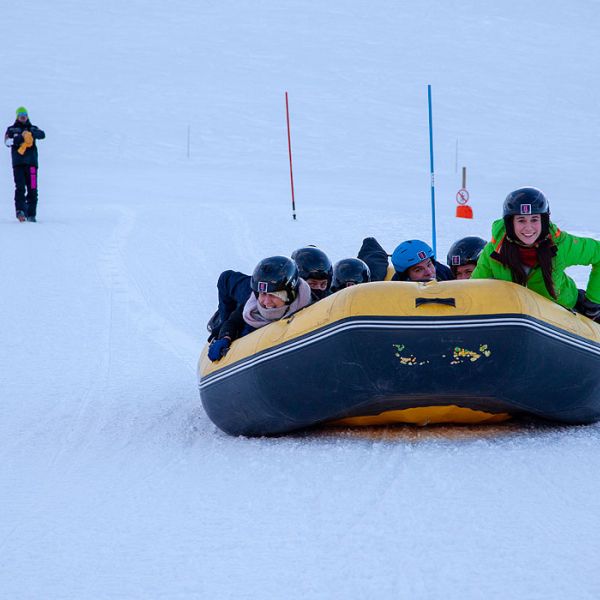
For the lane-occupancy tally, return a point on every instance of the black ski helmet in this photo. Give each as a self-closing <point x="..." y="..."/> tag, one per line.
<point x="526" y="201"/>
<point x="276" y="274"/>
<point x="313" y="264"/>
<point x="349" y="271"/>
<point x="465" y="251"/>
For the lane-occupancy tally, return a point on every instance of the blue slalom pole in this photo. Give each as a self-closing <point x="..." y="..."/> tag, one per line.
<point x="433" y="236"/>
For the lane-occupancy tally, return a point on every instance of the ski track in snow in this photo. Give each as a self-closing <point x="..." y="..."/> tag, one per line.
<point x="126" y="294"/>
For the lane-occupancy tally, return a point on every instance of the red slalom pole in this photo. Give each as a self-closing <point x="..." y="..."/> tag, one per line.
<point x="287" y="114"/>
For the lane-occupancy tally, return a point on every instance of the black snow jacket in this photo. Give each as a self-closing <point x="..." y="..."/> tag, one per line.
<point x="30" y="157"/>
<point x="235" y="327"/>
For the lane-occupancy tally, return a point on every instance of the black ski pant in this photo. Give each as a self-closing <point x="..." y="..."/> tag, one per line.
<point x="26" y="193"/>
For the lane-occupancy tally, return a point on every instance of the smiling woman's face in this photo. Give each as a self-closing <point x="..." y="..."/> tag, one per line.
<point x="527" y="228"/>
<point x="270" y="301"/>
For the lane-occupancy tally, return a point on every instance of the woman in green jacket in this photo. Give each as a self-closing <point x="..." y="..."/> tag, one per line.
<point x="528" y="249"/>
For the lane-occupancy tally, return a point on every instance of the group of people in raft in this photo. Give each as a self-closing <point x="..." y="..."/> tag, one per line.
<point x="526" y="248"/>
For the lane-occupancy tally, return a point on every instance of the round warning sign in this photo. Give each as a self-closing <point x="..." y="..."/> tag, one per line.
<point x="462" y="196"/>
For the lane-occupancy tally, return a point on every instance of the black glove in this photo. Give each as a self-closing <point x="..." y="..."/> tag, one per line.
<point x="18" y="139"/>
<point x="591" y="310"/>
<point x="218" y="349"/>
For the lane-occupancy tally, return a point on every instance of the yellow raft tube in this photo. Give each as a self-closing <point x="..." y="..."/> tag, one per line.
<point x="475" y="351"/>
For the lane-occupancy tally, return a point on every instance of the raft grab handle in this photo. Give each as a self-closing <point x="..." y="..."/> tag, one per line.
<point x="444" y="301"/>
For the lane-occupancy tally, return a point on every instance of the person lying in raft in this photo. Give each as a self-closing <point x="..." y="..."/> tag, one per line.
<point x="528" y="249"/>
<point x="463" y="255"/>
<point x="348" y="272"/>
<point x="412" y="260"/>
<point x="233" y="287"/>
<point x="277" y="292"/>
<point x="316" y="269"/>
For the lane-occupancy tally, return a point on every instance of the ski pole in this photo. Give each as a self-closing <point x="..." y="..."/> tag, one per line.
<point x="287" y="114"/>
<point x="433" y="235"/>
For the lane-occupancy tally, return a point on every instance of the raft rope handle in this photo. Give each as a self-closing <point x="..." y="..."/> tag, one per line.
<point x="444" y="301"/>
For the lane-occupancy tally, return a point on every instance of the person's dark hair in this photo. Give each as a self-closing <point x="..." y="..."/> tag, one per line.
<point x="510" y="257"/>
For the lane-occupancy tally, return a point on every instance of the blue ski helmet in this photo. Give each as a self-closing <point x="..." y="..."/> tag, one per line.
<point x="410" y="253"/>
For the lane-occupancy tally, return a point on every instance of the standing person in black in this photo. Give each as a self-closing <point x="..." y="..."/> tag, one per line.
<point x="20" y="137"/>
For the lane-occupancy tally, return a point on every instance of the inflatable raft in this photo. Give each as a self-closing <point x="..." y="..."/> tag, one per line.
<point x="472" y="351"/>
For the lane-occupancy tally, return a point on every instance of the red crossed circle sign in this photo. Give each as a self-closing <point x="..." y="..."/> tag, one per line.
<point x="462" y="196"/>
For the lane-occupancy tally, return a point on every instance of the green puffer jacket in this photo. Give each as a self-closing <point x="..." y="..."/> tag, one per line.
<point x="571" y="250"/>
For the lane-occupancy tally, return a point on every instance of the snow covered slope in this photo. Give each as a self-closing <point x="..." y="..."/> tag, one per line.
<point x="113" y="482"/>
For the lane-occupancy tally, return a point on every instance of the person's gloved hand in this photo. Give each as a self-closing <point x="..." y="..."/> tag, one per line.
<point x="18" y="139"/>
<point x="27" y="142"/>
<point x="591" y="310"/>
<point x="218" y="349"/>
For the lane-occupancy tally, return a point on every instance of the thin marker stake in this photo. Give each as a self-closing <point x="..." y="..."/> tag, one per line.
<point x="287" y="114"/>
<point x="456" y="159"/>
<point x="433" y="235"/>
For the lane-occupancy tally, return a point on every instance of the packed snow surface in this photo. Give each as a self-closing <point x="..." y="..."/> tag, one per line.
<point x="165" y="163"/>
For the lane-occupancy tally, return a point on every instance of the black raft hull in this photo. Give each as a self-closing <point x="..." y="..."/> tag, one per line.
<point x="439" y="359"/>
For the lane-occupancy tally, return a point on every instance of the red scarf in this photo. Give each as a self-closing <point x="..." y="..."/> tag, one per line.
<point x="528" y="256"/>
